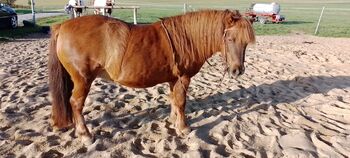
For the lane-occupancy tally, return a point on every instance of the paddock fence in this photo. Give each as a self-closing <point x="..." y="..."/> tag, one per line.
<point x="300" y="17"/>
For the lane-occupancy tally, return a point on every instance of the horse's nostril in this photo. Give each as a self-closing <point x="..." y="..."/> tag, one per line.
<point x="234" y="71"/>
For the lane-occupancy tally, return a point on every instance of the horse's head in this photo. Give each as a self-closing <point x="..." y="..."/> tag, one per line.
<point x="237" y="34"/>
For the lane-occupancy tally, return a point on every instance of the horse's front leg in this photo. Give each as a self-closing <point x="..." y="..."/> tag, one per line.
<point x="178" y="91"/>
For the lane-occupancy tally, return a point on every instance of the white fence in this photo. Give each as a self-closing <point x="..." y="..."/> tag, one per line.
<point x="299" y="18"/>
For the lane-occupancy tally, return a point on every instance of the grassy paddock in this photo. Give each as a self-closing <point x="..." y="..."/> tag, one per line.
<point x="23" y="11"/>
<point x="301" y="15"/>
<point x="51" y="20"/>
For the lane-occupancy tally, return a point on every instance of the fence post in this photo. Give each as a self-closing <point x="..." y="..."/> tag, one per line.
<point x="185" y="8"/>
<point x="33" y="11"/>
<point x="135" y="15"/>
<point x="319" y="20"/>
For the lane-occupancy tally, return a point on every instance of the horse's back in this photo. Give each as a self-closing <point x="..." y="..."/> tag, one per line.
<point x="93" y="24"/>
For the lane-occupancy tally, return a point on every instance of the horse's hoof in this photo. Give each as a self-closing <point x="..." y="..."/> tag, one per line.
<point x="87" y="140"/>
<point x="183" y="132"/>
<point x="172" y="119"/>
<point x="60" y="129"/>
<point x="186" y="130"/>
<point x="55" y="129"/>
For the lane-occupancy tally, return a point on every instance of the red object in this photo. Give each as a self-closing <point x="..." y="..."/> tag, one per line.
<point x="263" y="18"/>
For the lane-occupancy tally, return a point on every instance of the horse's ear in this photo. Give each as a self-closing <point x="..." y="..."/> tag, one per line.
<point x="232" y="17"/>
<point x="236" y="15"/>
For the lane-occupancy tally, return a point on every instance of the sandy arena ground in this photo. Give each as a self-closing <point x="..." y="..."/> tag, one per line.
<point x="293" y="101"/>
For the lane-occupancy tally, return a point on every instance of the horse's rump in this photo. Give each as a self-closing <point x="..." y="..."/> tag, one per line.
<point x="89" y="38"/>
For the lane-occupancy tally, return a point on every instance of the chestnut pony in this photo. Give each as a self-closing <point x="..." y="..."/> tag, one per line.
<point x="171" y="50"/>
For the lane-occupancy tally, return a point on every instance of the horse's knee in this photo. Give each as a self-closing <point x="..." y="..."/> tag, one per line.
<point x="76" y="105"/>
<point x="77" y="100"/>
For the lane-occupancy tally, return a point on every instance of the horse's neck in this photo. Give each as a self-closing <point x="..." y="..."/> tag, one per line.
<point x="200" y="47"/>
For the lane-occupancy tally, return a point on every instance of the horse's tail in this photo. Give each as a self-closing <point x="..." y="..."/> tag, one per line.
<point x="60" y="85"/>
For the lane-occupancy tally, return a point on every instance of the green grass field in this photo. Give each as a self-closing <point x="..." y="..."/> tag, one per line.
<point x="301" y="15"/>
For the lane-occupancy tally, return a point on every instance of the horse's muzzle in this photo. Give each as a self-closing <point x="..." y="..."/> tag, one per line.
<point x="238" y="71"/>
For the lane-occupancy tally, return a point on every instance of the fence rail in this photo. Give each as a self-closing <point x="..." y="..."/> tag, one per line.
<point x="134" y="8"/>
<point x="300" y="18"/>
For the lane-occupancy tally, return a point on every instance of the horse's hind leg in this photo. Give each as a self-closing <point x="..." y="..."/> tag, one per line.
<point x="82" y="82"/>
<point x="79" y="94"/>
<point x="178" y="102"/>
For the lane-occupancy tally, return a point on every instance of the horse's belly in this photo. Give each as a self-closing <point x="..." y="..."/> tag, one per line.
<point x="142" y="78"/>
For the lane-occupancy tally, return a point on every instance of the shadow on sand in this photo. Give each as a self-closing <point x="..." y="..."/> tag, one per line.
<point x="265" y="95"/>
<point x="281" y="91"/>
<point x="261" y="96"/>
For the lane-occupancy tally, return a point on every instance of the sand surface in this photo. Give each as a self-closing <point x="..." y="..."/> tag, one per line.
<point x="293" y="101"/>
